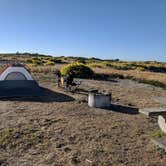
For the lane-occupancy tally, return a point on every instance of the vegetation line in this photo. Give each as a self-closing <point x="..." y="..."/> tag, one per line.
<point x="108" y="77"/>
<point x="150" y="82"/>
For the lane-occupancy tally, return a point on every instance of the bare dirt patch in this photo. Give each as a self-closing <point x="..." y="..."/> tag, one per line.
<point x="68" y="132"/>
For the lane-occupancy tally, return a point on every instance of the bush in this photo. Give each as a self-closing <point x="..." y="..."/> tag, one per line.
<point x="106" y="63"/>
<point x="96" y="65"/>
<point x="77" y="70"/>
<point x="37" y="61"/>
<point x="55" y="60"/>
<point x="81" y="60"/>
<point x="58" y="61"/>
<point x="49" y="63"/>
<point x="29" y="61"/>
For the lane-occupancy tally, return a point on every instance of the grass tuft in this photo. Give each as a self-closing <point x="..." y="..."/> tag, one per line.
<point x="157" y="134"/>
<point x="14" y="138"/>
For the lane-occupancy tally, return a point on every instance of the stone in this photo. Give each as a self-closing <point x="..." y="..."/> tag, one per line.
<point x="153" y="111"/>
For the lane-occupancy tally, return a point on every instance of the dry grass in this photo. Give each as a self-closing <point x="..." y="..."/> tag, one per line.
<point x="157" y="79"/>
<point x="43" y="69"/>
<point x="71" y="133"/>
<point x="39" y="69"/>
<point x="144" y="75"/>
<point x="150" y="76"/>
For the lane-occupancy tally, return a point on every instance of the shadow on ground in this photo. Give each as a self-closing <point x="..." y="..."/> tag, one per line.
<point x="48" y="96"/>
<point x="123" y="109"/>
<point x="107" y="77"/>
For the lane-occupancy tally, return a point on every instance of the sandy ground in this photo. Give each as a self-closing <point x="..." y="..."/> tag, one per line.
<point x="60" y="129"/>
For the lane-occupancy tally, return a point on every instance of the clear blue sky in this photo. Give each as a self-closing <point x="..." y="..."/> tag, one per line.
<point x="125" y="29"/>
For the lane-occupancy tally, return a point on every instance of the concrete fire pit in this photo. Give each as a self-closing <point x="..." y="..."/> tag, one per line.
<point x="161" y="140"/>
<point x="99" y="100"/>
<point x="162" y="123"/>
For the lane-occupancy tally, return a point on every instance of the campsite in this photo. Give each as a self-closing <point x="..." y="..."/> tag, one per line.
<point x="82" y="83"/>
<point x="59" y="128"/>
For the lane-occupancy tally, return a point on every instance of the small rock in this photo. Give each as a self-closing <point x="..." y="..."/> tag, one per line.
<point x="60" y="145"/>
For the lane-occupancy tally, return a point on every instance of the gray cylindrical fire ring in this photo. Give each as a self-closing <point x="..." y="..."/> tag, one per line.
<point x="162" y="123"/>
<point x="99" y="100"/>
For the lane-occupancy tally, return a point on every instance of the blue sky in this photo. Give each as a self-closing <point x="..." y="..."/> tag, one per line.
<point x="124" y="29"/>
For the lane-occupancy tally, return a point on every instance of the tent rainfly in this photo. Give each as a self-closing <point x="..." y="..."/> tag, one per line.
<point x="16" y="81"/>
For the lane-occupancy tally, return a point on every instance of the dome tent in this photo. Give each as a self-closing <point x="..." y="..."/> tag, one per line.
<point x="16" y="81"/>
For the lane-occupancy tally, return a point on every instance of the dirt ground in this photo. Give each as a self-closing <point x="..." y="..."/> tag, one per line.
<point x="61" y="130"/>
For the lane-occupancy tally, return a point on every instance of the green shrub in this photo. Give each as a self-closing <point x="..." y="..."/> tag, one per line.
<point x="140" y="68"/>
<point x="58" y="61"/>
<point x="78" y="70"/>
<point x="96" y="65"/>
<point x="29" y="61"/>
<point x="55" y="60"/>
<point x="106" y="63"/>
<point x="36" y="58"/>
<point x="157" y="134"/>
<point x="49" y="63"/>
<point x="80" y="60"/>
<point x="37" y="61"/>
